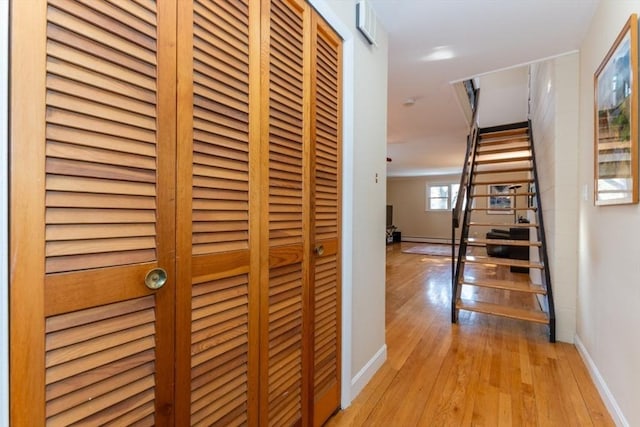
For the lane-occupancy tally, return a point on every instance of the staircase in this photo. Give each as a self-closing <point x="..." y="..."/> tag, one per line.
<point x="501" y="157"/>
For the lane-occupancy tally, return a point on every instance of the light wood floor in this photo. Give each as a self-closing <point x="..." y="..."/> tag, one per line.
<point x="482" y="371"/>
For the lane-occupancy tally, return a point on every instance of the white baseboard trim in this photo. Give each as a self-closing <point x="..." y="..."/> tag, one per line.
<point x="365" y="374"/>
<point x="426" y="240"/>
<point x="601" y="385"/>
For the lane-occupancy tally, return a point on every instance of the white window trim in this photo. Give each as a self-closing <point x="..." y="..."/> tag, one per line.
<point x="427" y="193"/>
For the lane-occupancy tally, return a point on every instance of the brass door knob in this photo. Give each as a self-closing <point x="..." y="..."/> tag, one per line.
<point x="155" y="278"/>
<point x="319" y="250"/>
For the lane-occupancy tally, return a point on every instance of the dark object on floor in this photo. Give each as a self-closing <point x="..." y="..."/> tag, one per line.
<point x="508" y="251"/>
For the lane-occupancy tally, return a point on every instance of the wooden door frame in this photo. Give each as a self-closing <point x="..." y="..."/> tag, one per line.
<point x="4" y="206"/>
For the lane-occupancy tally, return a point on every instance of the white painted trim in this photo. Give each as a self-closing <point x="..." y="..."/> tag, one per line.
<point x="348" y="90"/>
<point x="601" y="385"/>
<point x="4" y="223"/>
<point x="348" y="82"/>
<point x="362" y="378"/>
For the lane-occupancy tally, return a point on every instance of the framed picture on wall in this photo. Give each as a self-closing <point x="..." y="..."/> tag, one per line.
<point x="616" y="121"/>
<point x="500" y="200"/>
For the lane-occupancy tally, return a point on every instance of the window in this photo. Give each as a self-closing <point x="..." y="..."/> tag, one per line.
<point x="441" y="197"/>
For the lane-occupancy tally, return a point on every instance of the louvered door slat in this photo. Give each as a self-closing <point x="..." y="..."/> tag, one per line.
<point x="60" y="37"/>
<point x="99" y="216"/>
<point x="74" y="247"/>
<point x="61" y="199"/>
<point x="65" y="57"/>
<point x="78" y="396"/>
<point x="226" y="41"/>
<point x="86" y="92"/>
<point x="142" y="416"/>
<point x="99" y="27"/>
<point x="61" y="169"/>
<point x="77" y="139"/>
<point x="98" y="155"/>
<point x="234" y="164"/>
<point x="60" y="233"/>
<point x="111" y="415"/>
<point x="121" y="16"/>
<point x="74" y="69"/>
<point x="135" y="10"/>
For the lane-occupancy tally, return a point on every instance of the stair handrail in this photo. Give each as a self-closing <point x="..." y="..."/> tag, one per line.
<point x="472" y="140"/>
<point x="546" y="277"/>
<point x="463" y="193"/>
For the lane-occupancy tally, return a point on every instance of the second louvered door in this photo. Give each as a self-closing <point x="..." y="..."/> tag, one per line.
<point x="283" y="396"/>
<point x="325" y="230"/>
<point x="92" y="203"/>
<point x="217" y="302"/>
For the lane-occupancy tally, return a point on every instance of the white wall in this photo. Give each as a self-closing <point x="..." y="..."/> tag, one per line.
<point x="503" y="97"/>
<point x="608" y="318"/>
<point x="4" y="287"/>
<point x="554" y="115"/>
<point x="368" y="171"/>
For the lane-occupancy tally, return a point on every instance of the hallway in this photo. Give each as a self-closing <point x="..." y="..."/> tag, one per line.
<point x="484" y="371"/>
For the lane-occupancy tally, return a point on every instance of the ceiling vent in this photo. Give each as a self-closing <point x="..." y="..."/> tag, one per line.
<point x="366" y="21"/>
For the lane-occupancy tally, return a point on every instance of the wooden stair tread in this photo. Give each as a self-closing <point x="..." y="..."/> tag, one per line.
<point x="505" y="170"/>
<point x="502" y="224"/>
<point x="501" y="261"/>
<point x="503" y="310"/>
<point x="526" y="208"/>
<point x="475" y="241"/>
<point x="508" y="285"/>
<point x="488" y="142"/>
<point x="503" y="133"/>
<point x="489" y="195"/>
<point x="503" y="150"/>
<point x="504" y="160"/>
<point x="511" y="181"/>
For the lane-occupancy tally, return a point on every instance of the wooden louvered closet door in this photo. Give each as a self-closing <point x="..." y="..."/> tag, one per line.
<point x="326" y="131"/>
<point x="201" y="137"/>
<point x="218" y="154"/>
<point x="283" y="286"/>
<point x="92" y="190"/>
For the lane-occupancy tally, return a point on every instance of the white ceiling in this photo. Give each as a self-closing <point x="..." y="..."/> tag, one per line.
<point x="484" y="36"/>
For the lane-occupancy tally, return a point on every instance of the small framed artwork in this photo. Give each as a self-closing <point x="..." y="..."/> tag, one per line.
<point x="500" y="200"/>
<point x="531" y="198"/>
<point x="616" y="121"/>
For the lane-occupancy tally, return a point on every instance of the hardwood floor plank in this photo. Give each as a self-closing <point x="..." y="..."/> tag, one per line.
<point x="482" y="371"/>
<point x="597" y="411"/>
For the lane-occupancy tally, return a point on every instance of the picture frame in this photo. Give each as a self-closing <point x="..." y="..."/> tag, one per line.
<point x="500" y="200"/>
<point x="616" y="121"/>
<point x="532" y="202"/>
